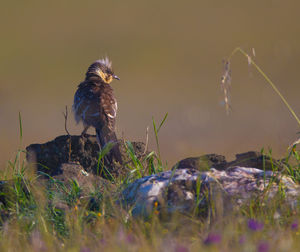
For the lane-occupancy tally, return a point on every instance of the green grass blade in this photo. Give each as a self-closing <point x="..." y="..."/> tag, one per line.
<point x="138" y="165"/>
<point x="156" y="130"/>
<point x="156" y="137"/>
<point x="102" y="154"/>
<point x="162" y="122"/>
<point x="20" y="127"/>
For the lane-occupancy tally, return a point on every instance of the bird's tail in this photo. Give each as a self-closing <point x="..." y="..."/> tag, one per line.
<point x="106" y="137"/>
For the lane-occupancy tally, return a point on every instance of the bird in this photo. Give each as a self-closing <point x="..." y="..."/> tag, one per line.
<point x="96" y="106"/>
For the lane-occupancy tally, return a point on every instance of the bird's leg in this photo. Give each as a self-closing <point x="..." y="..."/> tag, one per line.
<point x="84" y="130"/>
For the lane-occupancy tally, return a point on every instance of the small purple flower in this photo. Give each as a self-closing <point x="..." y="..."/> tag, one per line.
<point x="295" y="226"/>
<point x="130" y="238"/>
<point x="212" y="239"/>
<point x="263" y="247"/>
<point x="255" y="225"/>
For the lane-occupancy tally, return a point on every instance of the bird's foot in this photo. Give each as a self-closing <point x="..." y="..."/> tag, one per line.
<point x="83" y="133"/>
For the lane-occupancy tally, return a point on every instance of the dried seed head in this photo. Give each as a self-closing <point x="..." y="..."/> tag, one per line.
<point x="225" y="84"/>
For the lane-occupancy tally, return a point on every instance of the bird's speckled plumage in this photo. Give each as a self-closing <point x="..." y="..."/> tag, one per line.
<point x="95" y="104"/>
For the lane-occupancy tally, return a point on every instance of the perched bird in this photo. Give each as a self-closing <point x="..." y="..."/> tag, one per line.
<point x="96" y="106"/>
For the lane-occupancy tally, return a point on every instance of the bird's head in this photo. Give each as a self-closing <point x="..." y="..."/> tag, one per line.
<point x="102" y="69"/>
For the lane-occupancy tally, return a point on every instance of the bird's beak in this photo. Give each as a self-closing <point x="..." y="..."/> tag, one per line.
<point x="116" y="77"/>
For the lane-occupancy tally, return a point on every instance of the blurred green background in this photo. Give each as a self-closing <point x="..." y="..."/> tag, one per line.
<point x="168" y="55"/>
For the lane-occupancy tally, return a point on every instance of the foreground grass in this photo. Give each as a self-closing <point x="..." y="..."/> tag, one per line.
<point x="52" y="216"/>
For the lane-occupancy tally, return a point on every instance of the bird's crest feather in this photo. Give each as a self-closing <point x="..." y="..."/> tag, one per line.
<point x="105" y="61"/>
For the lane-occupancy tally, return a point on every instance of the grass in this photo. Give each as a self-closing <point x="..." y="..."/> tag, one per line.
<point x="54" y="216"/>
<point x="226" y="80"/>
<point x="34" y="222"/>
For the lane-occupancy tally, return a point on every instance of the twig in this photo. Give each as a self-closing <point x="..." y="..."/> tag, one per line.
<point x="66" y="129"/>
<point x="66" y="119"/>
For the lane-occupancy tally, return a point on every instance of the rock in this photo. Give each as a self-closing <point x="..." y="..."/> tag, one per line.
<point x="247" y="159"/>
<point x="88" y="182"/>
<point x="89" y="187"/>
<point x="203" y="163"/>
<point x="91" y="191"/>
<point x="190" y="191"/>
<point x="255" y="159"/>
<point x="49" y="157"/>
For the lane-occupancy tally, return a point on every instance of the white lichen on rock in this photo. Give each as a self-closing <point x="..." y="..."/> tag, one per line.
<point x="177" y="190"/>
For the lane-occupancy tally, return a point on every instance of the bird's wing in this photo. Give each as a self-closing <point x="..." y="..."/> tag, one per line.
<point x="109" y="107"/>
<point x="86" y="106"/>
